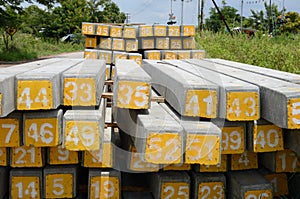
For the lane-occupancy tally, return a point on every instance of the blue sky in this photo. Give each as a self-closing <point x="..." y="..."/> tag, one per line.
<point x="157" y="11"/>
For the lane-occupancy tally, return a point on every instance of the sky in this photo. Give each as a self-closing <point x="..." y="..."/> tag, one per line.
<point x="157" y="11"/>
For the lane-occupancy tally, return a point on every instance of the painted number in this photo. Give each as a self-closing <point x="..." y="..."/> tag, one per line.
<point x="9" y="136"/>
<point x="102" y="30"/>
<point x="233" y="140"/>
<point x="242" y="106"/>
<point x="174" y="31"/>
<point x="258" y="194"/>
<point x="287" y="161"/>
<point x="294" y="113"/>
<point x="27" y="157"/>
<point x="104" y="187"/>
<point x="133" y="95"/>
<point x="213" y="190"/>
<point x="29" y="191"/>
<point x="175" y="191"/>
<point x="88" y="29"/>
<point x="82" y="135"/>
<point x="176" y="44"/>
<point x="163" y="148"/>
<point x="59" y="185"/>
<point x="267" y="138"/>
<point x="40" y="133"/>
<point x="201" y="103"/>
<point x="202" y="149"/>
<point x="247" y="160"/>
<point x="137" y="163"/>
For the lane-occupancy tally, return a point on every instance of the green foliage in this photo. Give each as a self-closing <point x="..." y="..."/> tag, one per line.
<point x="280" y="53"/>
<point x="292" y="24"/>
<point x="27" y="47"/>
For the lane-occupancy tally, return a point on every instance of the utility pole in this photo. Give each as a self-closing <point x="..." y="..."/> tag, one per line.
<point x="222" y="17"/>
<point x="182" y="2"/>
<point x="269" y="17"/>
<point x="242" y="9"/>
<point x="199" y="17"/>
<point x="202" y="15"/>
<point x="127" y="18"/>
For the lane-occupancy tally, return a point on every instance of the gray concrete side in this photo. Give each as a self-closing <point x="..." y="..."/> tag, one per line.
<point x="227" y="85"/>
<point x="45" y="133"/>
<point x="292" y="140"/>
<point x="279" y="99"/>
<point x="132" y="86"/>
<point x="87" y="92"/>
<point x="180" y="89"/>
<point x="212" y="183"/>
<point x="30" y="82"/>
<point x="64" y="182"/>
<point x="15" y="177"/>
<point x="290" y="77"/>
<point x="159" y="130"/>
<point x="107" y="180"/>
<point x="4" y="179"/>
<point x="239" y="183"/>
<point x="12" y="122"/>
<point x="135" y="195"/>
<point x="161" y="184"/>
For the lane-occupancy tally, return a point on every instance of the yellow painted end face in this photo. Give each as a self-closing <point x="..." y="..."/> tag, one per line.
<point x="202" y="149"/>
<point x="198" y="55"/>
<point x="10" y="134"/>
<point x="247" y="160"/>
<point x="163" y="148"/>
<point x="177" y="167"/>
<point x="0" y="104"/>
<point x="25" y="187"/>
<point x="138" y="59"/>
<point x="154" y="55"/>
<point x="133" y="95"/>
<point x="160" y="31"/>
<point x="189" y="43"/>
<point x="119" y="56"/>
<point x="59" y="155"/>
<point x="184" y="55"/>
<point x="26" y="157"/>
<point x="129" y="32"/>
<point x="189" y="30"/>
<point x="99" y="158"/>
<point x="216" y="168"/>
<point x="102" y="30"/>
<point x="146" y="31"/>
<point x="147" y="43"/>
<point x="174" y="31"/>
<point x="279" y="182"/>
<point x="41" y="132"/>
<point x="116" y="31"/>
<point x="88" y="29"/>
<point x="118" y="44"/>
<point x="105" y="187"/>
<point x="90" y="55"/>
<point x="293" y="108"/>
<point x="242" y="106"/>
<point x="106" y="43"/>
<point x="90" y="42"/>
<point x="3" y="157"/>
<point x="34" y="95"/>
<point x="107" y="56"/>
<point x="80" y="92"/>
<point x="82" y="136"/>
<point x="170" y="55"/>
<point x="59" y="186"/>
<point x="259" y="194"/>
<point x="175" y="43"/>
<point x="233" y="140"/>
<point x="175" y="190"/>
<point x="138" y="164"/>
<point x="132" y="45"/>
<point x="201" y="103"/>
<point x="162" y="43"/>
<point x="286" y="161"/>
<point x="211" y="190"/>
<point x="267" y="138"/>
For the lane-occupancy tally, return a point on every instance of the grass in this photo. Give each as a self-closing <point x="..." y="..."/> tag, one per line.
<point x="26" y="47"/>
<point x="280" y="53"/>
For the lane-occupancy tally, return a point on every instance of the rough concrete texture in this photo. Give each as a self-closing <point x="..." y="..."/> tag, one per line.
<point x="3" y="181"/>
<point x="17" y="118"/>
<point x="129" y="71"/>
<point x="225" y="83"/>
<point x="292" y="140"/>
<point x="92" y="69"/>
<point x="66" y="169"/>
<point x="158" y="179"/>
<point x="173" y="83"/>
<point x="152" y="54"/>
<point x="111" y="183"/>
<point x="240" y="182"/>
<point x="290" y="77"/>
<point x="51" y="72"/>
<point x="14" y="173"/>
<point x="217" y="190"/>
<point x="43" y="115"/>
<point x="276" y="96"/>
<point x="135" y="195"/>
<point x="157" y="122"/>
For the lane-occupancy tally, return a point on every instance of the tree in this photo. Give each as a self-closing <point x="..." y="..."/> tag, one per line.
<point x="292" y="23"/>
<point x="215" y="23"/>
<point x="111" y="14"/>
